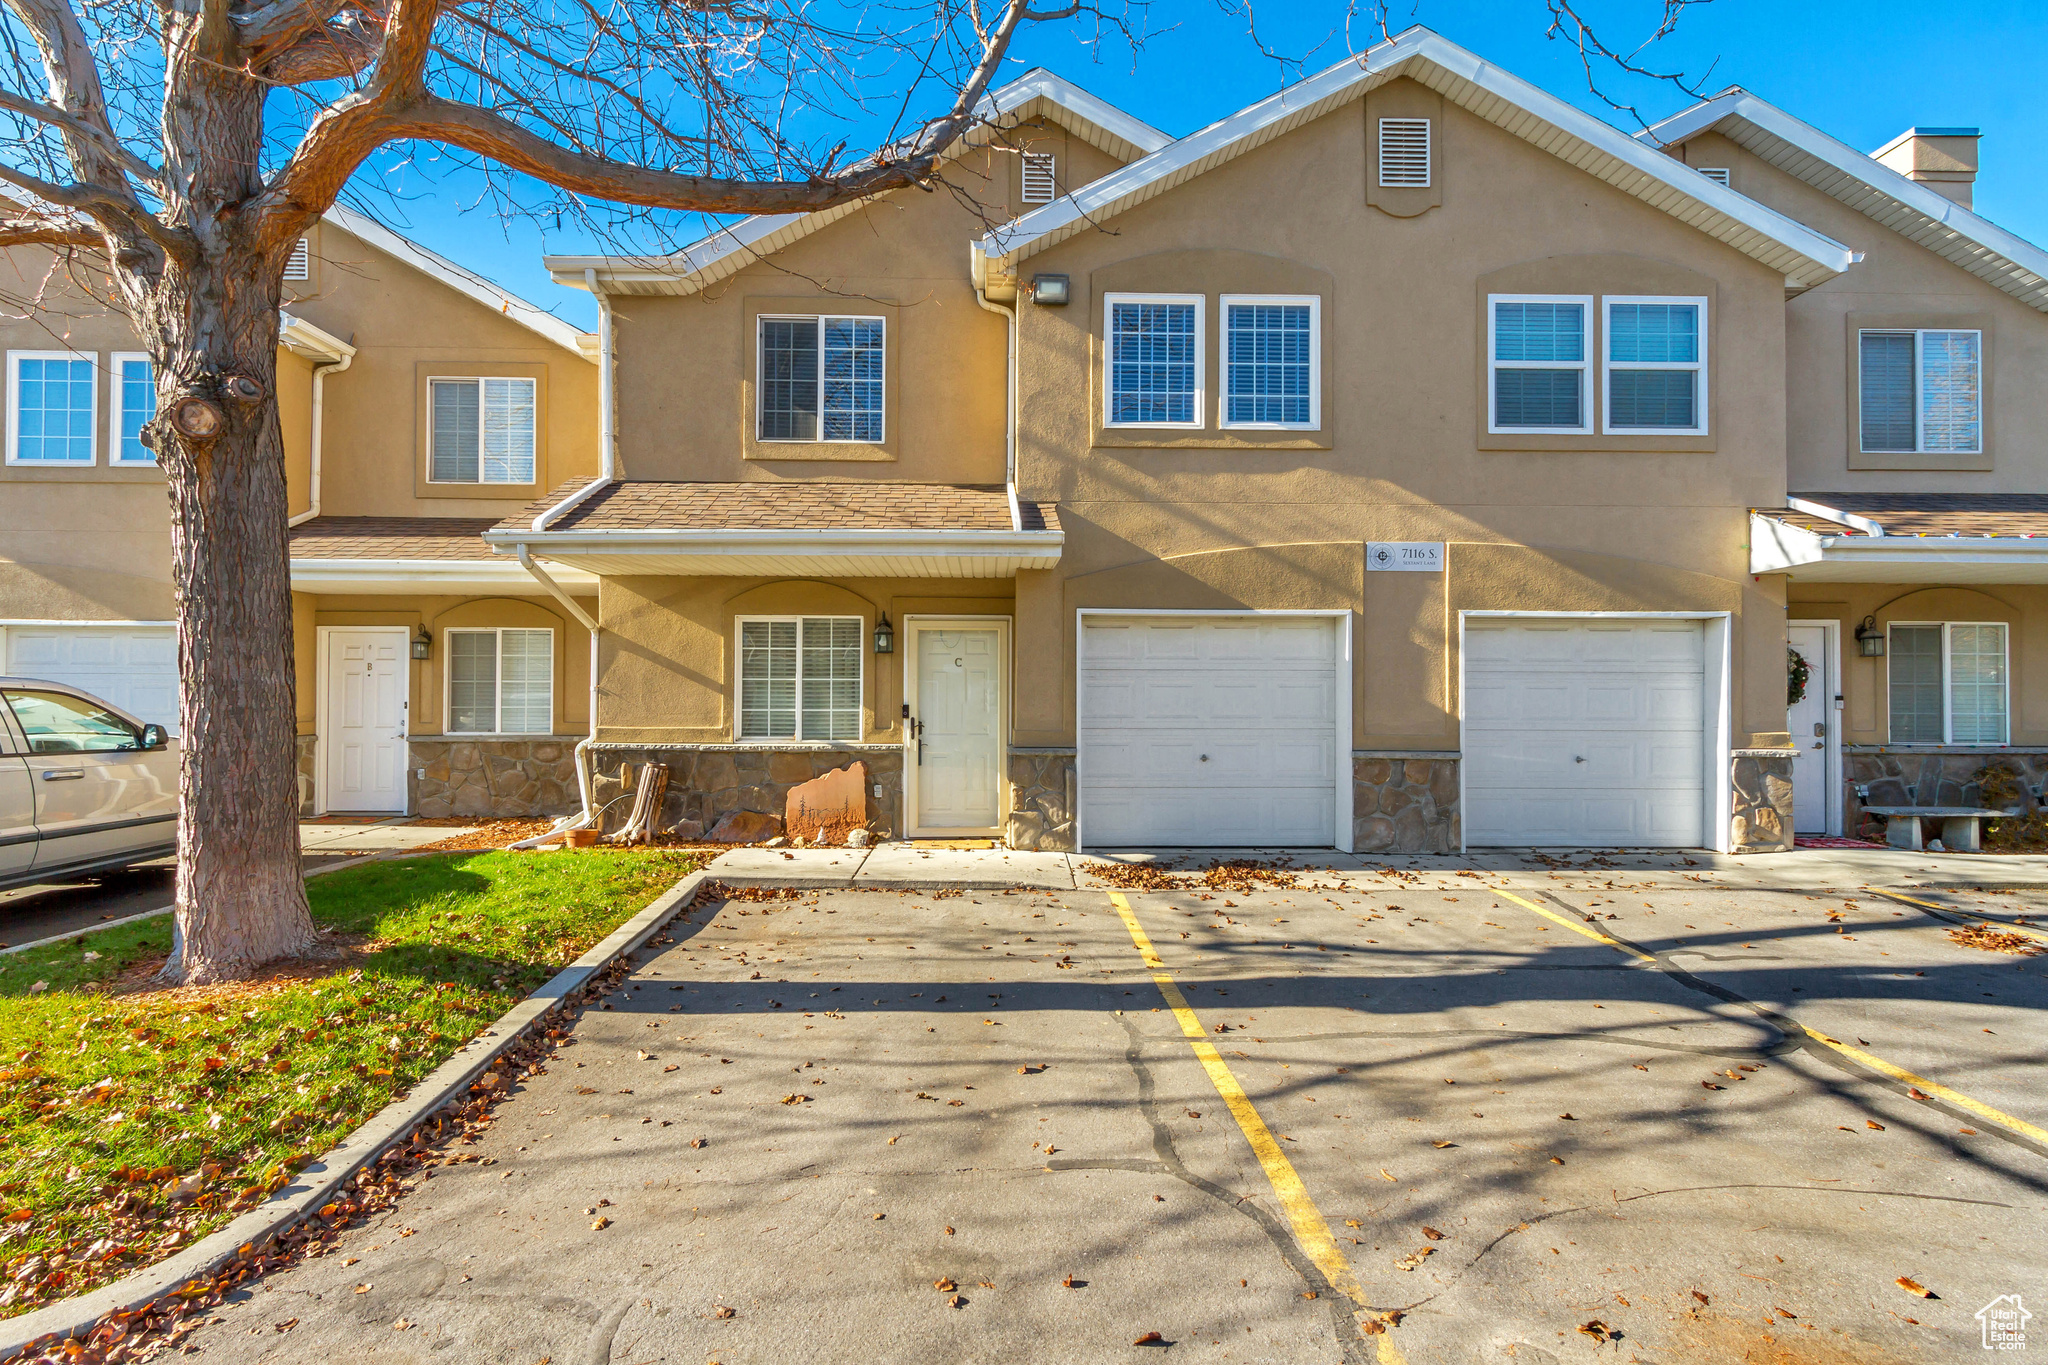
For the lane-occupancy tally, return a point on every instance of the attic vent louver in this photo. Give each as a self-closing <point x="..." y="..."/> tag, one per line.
<point x="1717" y="174"/>
<point x="1038" y="178"/>
<point x="1404" y="152"/>
<point x="300" y="264"/>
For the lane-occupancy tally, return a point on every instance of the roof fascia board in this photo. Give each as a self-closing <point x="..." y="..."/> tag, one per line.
<point x="1779" y="547"/>
<point x="459" y="278"/>
<point x="1039" y="83"/>
<point x="809" y="543"/>
<point x="303" y="338"/>
<point x="1767" y="118"/>
<point x="1239" y="132"/>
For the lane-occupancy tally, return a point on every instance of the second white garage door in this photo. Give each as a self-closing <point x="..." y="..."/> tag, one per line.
<point x="134" y="667"/>
<point x="1209" y="730"/>
<point x="1581" y="732"/>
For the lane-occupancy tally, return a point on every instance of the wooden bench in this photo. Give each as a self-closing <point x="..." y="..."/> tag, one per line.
<point x="1961" y="826"/>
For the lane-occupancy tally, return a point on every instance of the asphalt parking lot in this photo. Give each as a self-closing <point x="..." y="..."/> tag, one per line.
<point x="1704" y="1124"/>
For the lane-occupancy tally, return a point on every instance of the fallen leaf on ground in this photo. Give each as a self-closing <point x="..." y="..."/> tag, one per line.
<point x="362" y="1289"/>
<point x="1596" y="1329"/>
<point x="944" y="1286"/>
<point x="1701" y="1297"/>
<point x="1915" y="1287"/>
<point x="1440" y="1143"/>
<point x="723" y="1312"/>
<point x="1432" y="1234"/>
<point x="1149" y="1339"/>
<point x="600" y="1225"/>
<point x="1385" y="1174"/>
<point x="1067" y="1283"/>
<point x="1414" y="1258"/>
<point x="1873" y="1123"/>
<point x="284" y="1326"/>
<point x="1352" y="1223"/>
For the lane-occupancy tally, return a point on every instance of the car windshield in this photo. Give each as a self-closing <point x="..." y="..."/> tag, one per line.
<point x="57" y="723"/>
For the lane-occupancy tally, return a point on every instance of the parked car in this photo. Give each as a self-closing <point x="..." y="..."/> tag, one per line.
<point x="84" y="786"/>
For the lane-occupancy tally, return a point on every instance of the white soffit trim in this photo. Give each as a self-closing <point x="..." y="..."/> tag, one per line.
<point x="301" y="337"/>
<point x="456" y="277"/>
<point x="1804" y="256"/>
<point x="1912" y="210"/>
<point x="732" y="248"/>
<point x="1809" y="557"/>
<point x="908" y="554"/>
<point x="425" y="575"/>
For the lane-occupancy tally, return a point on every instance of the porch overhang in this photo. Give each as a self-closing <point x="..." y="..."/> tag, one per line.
<point x="430" y="577"/>
<point x="835" y="553"/>
<point x="1811" y="556"/>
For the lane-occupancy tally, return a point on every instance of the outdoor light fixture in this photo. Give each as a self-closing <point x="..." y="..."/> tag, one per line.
<point x="1869" y="639"/>
<point x="1049" y="290"/>
<point x="422" y="644"/>
<point x="885" y="636"/>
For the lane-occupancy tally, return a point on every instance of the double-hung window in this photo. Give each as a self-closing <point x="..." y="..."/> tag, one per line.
<point x="1539" y="372"/>
<point x="800" y="677"/>
<point x="1949" y="684"/>
<point x="1921" y="391"/>
<point x="822" y="378"/>
<point x="1656" y="368"/>
<point x="1152" y="360"/>
<point x="52" y="408"/>
<point x="1272" y="361"/>
<point x="482" y="430"/>
<point x="134" y="392"/>
<point x="501" y="682"/>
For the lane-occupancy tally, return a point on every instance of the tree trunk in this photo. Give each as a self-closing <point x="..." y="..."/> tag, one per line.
<point x="241" y="893"/>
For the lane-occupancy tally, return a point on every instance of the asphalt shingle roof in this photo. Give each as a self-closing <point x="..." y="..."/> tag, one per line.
<point x="644" y="505"/>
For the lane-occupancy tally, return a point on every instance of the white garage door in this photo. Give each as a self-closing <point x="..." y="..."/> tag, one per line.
<point x="1209" y="730"/>
<point x="1585" y="732"/>
<point x="134" y="667"/>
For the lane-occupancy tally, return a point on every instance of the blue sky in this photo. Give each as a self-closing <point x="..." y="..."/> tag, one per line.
<point x="1862" y="71"/>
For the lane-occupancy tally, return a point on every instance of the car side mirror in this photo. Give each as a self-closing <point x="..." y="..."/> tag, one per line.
<point x="153" y="737"/>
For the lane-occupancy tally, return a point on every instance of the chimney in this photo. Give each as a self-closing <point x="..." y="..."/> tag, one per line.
<point x="1943" y="159"/>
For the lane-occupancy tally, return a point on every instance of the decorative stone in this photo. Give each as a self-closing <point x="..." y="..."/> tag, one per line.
<point x="830" y="806"/>
<point x="745" y="827"/>
<point x="687" y="830"/>
<point x="857" y="838"/>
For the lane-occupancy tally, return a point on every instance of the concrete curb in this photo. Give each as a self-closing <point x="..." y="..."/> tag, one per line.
<point x="322" y="1180"/>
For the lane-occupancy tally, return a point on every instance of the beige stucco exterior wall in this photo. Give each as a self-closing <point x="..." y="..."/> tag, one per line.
<point x="1549" y="523"/>
<point x="1896" y="284"/>
<point x="682" y="416"/>
<point x="406" y="327"/>
<point x="667" y="672"/>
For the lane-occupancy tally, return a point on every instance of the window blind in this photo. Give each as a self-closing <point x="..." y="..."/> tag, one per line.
<point x="1977" y="684"/>
<point x="53" y="410"/>
<point x="1152" y="349"/>
<point x="801" y="679"/>
<point x="1951" y="406"/>
<point x="1665" y="335"/>
<point x="1268" y="358"/>
<point x="1533" y="342"/>
<point x="1887" y="391"/>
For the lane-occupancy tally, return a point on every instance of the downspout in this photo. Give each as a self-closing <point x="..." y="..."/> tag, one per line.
<point x="320" y="373"/>
<point x="1009" y="315"/>
<point x="607" y="455"/>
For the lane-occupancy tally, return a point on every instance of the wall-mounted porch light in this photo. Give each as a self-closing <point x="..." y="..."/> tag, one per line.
<point x="885" y="636"/>
<point x="1869" y="639"/>
<point x="422" y="644"/>
<point x="1049" y="290"/>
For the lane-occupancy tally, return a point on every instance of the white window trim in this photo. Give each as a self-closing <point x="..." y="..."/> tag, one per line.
<point x="1201" y="394"/>
<point x="14" y="411"/>
<point x="1948" y="724"/>
<point x="1584" y="366"/>
<point x="116" y="413"/>
<point x="498" y="697"/>
<point x="821" y="439"/>
<point x="479" y="380"/>
<point x="1919" y="335"/>
<point x="1428" y="154"/>
<point x="1607" y="366"/>
<point x="739" y="625"/>
<point x="1315" y="361"/>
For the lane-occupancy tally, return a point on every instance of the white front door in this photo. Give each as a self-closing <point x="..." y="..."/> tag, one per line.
<point x="956" y="744"/>
<point x="364" y="725"/>
<point x="1808" y="719"/>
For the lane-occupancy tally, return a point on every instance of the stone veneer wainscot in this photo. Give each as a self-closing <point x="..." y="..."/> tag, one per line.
<point x="493" y="777"/>
<point x="709" y="781"/>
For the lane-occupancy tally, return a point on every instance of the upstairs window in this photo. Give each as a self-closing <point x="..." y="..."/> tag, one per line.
<point x="1656" y="365"/>
<point x="1153" y="358"/>
<point x="800" y="677"/>
<point x="1539" y="378"/>
<point x="1404" y="153"/>
<point x="482" y="430"/>
<point x="1039" y="184"/>
<point x="134" y="390"/>
<point x="52" y="408"/>
<point x="1921" y="391"/>
<point x="1272" y="349"/>
<point x="501" y="682"/>
<point x="821" y="379"/>
<point x="1948" y="684"/>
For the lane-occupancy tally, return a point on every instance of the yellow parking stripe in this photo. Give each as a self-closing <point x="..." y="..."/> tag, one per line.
<point x="1933" y="1089"/>
<point x="1310" y="1230"/>
<point x="1950" y="912"/>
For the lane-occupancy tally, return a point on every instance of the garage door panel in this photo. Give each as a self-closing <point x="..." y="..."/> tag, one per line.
<point x="134" y="667"/>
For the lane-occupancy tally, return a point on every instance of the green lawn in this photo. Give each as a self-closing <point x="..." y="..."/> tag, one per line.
<point x="132" y="1124"/>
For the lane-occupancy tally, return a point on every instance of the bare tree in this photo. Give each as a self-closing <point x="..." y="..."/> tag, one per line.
<point x="187" y="144"/>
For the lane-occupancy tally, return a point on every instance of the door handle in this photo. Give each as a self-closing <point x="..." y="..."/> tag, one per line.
<point x="63" y="775"/>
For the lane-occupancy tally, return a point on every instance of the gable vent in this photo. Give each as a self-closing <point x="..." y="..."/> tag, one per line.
<point x="1404" y="152"/>
<point x="300" y="264"/>
<point x="1038" y="178"/>
<point x="1717" y="174"/>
